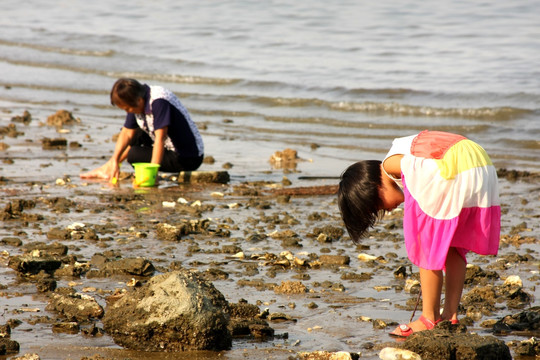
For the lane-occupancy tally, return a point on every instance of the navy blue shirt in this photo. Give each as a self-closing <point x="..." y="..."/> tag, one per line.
<point x="182" y="134"/>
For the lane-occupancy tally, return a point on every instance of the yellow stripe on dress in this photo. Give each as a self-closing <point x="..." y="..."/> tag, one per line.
<point x="470" y="156"/>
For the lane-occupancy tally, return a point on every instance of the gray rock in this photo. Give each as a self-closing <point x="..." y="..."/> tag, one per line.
<point x="176" y="311"/>
<point x="221" y="177"/>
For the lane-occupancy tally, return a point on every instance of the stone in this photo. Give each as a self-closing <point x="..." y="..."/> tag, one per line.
<point x="221" y="177"/>
<point x="8" y="346"/>
<point x="126" y="266"/>
<point x="526" y="323"/>
<point x="389" y="353"/>
<point x="530" y="347"/>
<point x="449" y="342"/>
<point x="175" y="311"/>
<point x="75" y="307"/>
<point x="327" y="355"/>
<point x="334" y="259"/>
<point x="29" y="265"/>
<point x="61" y="118"/>
<point x="53" y="144"/>
<point x="291" y="287"/>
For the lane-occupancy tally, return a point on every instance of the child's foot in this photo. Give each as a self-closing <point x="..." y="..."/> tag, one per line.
<point x="95" y="174"/>
<point x="419" y="325"/>
<point x="101" y="172"/>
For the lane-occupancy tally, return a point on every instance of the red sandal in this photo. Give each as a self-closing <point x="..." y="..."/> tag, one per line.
<point x="404" y="330"/>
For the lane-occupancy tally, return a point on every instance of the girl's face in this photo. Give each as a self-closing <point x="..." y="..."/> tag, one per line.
<point x="139" y="109"/>
<point x="390" y="193"/>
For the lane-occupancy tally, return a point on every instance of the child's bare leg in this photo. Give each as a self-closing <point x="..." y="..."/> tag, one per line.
<point x="431" y="282"/>
<point x="455" y="278"/>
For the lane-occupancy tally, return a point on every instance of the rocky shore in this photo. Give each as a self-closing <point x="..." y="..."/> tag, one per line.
<point x="275" y="272"/>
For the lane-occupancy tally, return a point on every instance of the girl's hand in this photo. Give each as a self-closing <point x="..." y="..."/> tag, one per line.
<point x="114" y="172"/>
<point x="108" y="171"/>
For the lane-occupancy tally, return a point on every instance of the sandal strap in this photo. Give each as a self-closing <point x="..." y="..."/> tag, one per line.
<point x="428" y="323"/>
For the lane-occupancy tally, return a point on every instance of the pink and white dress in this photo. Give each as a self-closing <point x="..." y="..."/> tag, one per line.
<point x="451" y="197"/>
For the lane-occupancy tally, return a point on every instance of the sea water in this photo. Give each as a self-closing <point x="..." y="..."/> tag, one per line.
<point x="336" y="81"/>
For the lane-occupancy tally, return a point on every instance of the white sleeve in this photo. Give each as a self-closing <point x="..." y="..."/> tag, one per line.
<point x="401" y="146"/>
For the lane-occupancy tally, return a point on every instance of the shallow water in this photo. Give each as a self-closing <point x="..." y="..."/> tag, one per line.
<point x="349" y="76"/>
<point x="336" y="83"/>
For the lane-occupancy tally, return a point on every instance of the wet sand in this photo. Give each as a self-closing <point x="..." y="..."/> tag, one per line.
<point x="256" y="227"/>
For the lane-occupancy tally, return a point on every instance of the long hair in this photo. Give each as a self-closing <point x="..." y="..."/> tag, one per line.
<point x="129" y="91"/>
<point x="358" y="197"/>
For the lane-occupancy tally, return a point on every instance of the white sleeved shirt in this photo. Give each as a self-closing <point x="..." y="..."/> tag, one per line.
<point x="400" y="146"/>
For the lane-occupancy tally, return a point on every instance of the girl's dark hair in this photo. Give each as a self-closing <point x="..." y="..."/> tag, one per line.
<point x="358" y="197"/>
<point x="129" y="91"/>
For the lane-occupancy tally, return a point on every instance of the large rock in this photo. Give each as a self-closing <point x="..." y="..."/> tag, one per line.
<point x="452" y="342"/>
<point x="176" y="311"/>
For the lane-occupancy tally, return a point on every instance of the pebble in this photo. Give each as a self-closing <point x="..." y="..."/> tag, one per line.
<point x="389" y="353"/>
<point x="366" y="257"/>
<point x="168" y="204"/>
<point x="513" y="280"/>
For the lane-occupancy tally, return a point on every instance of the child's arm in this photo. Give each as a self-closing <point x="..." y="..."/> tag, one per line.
<point x="122" y="143"/>
<point x="392" y="165"/>
<point x="120" y="153"/>
<point x="159" y="145"/>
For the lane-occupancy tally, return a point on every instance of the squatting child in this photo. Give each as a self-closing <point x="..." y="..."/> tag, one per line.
<point x="158" y="129"/>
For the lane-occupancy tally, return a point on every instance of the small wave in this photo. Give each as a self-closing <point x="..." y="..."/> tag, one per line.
<point x="384" y="108"/>
<point x="476" y="128"/>
<point x="496" y="113"/>
<point x="522" y="144"/>
<point x="397" y="109"/>
<point x="387" y="91"/>
<point x="223" y="113"/>
<point x="52" y="88"/>
<point x="175" y="78"/>
<point x="172" y="78"/>
<point x="60" y="50"/>
<point x="53" y="66"/>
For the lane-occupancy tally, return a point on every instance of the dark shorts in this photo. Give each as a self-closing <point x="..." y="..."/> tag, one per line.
<point x="141" y="148"/>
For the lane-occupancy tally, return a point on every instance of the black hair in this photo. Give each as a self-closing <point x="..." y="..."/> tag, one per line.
<point x="358" y="197"/>
<point x="129" y="91"/>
